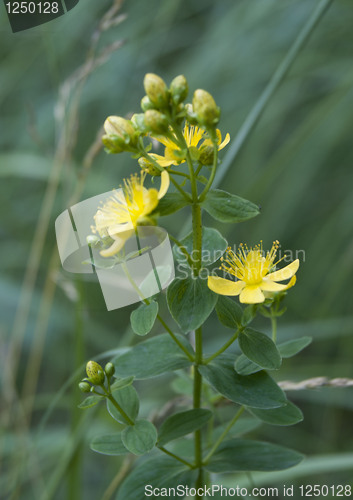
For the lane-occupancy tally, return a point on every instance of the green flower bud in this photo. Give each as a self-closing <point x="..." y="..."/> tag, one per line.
<point x="138" y="122"/>
<point x="95" y="373"/>
<point x="156" y="90"/>
<point x="146" y="103"/>
<point x="113" y="144"/>
<point x="190" y="115"/>
<point x="84" y="387"/>
<point x="205" y="108"/>
<point x="148" y="166"/>
<point x="179" y="89"/>
<point x="116" y="126"/>
<point x="109" y="369"/>
<point x="156" y="122"/>
<point x="206" y="155"/>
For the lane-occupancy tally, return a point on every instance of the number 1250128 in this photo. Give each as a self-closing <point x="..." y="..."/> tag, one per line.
<point x="32" y="7"/>
<point x="318" y="490"/>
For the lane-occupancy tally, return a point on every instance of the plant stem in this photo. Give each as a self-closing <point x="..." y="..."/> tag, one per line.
<point x="274" y="327"/>
<point x="223" y="348"/>
<point x="223" y="435"/>
<point x="160" y="319"/>
<point x="176" y="457"/>
<point x="182" y="249"/>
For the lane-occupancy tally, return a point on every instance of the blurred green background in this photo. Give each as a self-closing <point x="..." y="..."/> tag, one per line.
<point x="58" y="82"/>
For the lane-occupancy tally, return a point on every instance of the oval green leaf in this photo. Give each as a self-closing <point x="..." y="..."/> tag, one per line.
<point x="161" y="472"/>
<point x="229" y="312"/>
<point x="245" y="455"/>
<point x="226" y="207"/>
<point x="182" y="423"/>
<point x="89" y="402"/>
<point x="244" y="366"/>
<point x="152" y="357"/>
<point x="170" y="203"/>
<point x="143" y="318"/>
<point x="190" y="302"/>
<point x="128" y="399"/>
<point x="257" y="390"/>
<point x="139" y="438"/>
<point x="260" y="349"/>
<point x="121" y="383"/>
<point x="213" y="246"/>
<point x="289" y="414"/>
<point x="292" y="347"/>
<point x="110" y="444"/>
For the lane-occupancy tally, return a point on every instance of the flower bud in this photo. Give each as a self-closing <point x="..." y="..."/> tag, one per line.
<point x="122" y="128"/>
<point x="113" y="144"/>
<point x="138" y="122"/>
<point x="190" y="115"/>
<point x="156" y="122"/>
<point x="95" y="373"/>
<point x="156" y="90"/>
<point x="206" y="155"/>
<point x="205" y="108"/>
<point x="84" y="387"/>
<point x="109" y="369"/>
<point x="179" y="89"/>
<point x="146" y="103"/>
<point x="148" y="166"/>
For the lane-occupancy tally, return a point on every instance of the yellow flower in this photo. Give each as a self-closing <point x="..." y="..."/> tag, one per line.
<point x="122" y="213"/>
<point x="193" y="135"/>
<point x="255" y="273"/>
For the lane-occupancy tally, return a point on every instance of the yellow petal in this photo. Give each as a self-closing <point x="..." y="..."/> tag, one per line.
<point x="162" y="161"/>
<point x="224" y="287"/>
<point x="224" y="143"/>
<point x="251" y="294"/>
<point x="164" y="184"/>
<point x="285" y="273"/>
<point x="272" y="286"/>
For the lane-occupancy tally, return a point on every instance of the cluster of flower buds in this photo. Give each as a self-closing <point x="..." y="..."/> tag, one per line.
<point x="96" y="376"/>
<point x="161" y="106"/>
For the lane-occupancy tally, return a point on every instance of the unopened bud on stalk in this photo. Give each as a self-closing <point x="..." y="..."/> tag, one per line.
<point x="113" y="144"/>
<point x="156" y="122"/>
<point x="120" y="127"/>
<point x="84" y="387"/>
<point x="206" y="155"/>
<point x="109" y="369"/>
<point x="148" y="166"/>
<point x="179" y="89"/>
<point x="190" y="115"/>
<point x="205" y="108"/>
<point x="156" y="90"/>
<point x="146" y="103"/>
<point x="95" y="373"/>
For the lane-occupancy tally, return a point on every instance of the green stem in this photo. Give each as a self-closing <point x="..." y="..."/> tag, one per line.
<point x="176" y="457"/>
<point x="223" y="435"/>
<point x="223" y="348"/>
<point x="274" y="327"/>
<point x="213" y="171"/>
<point x="118" y="407"/>
<point x="175" y="172"/>
<point x="160" y="319"/>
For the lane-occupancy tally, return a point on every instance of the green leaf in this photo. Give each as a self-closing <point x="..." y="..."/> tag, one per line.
<point x="242" y="426"/>
<point x="121" y="383"/>
<point x="128" y="399"/>
<point x="229" y="312"/>
<point x="110" y="444"/>
<point x="143" y="318"/>
<point x="152" y="357"/>
<point x="90" y="401"/>
<point x="289" y="414"/>
<point x="182" y="423"/>
<point x="257" y="390"/>
<point x="249" y="314"/>
<point x="190" y="302"/>
<point x="139" y="438"/>
<point x="226" y="207"/>
<point x="245" y="455"/>
<point x="244" y="366"/>
<point x="292" y="347"/>
<point x="260" y="349"/>
<point x="170" y="203"/>
<point x="213" y="246"/>
<point x="159" y="472"/>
